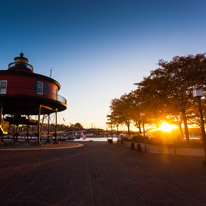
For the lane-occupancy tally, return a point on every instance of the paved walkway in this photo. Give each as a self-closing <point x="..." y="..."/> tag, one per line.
<point x="51" y="146"/>
<point x="100" y="174"/>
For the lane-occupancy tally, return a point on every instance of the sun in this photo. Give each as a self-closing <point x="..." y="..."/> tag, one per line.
<point x="166" y="127"/>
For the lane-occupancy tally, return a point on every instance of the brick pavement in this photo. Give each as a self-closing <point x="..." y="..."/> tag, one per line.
<point x="100" y="174"/>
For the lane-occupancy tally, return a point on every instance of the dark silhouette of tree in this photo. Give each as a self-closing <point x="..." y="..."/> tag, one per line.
<point x="135" y="107"/>
<point x="171" y="85"/>
<point x="111" y="121"/>
<point x="166" y="94"/>
<point x="121" y="111"/>
<point x="78" y="126"/>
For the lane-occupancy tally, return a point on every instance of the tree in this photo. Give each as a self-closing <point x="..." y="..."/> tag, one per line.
<point x="166" y="94"/>
<point x="135" y="107"/>
<point x="121" y="111"/>
<point x="78" y="126"/>
<point x="171" y="85"/>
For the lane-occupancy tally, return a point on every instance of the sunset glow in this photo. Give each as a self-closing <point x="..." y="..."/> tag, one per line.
<point x="166" y="127"/>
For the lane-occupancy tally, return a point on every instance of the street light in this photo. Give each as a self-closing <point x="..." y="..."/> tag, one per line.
<point x="198" y="92"/>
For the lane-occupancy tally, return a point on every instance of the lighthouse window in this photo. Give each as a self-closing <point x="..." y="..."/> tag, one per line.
<point x="39" y="87"/>
<point x="3" y="86"/>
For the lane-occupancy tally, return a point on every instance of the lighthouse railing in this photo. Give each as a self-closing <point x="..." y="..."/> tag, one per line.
<point x="61" y="99"/>
<point x="17" y="64"/>
<point x="31" y="92"/>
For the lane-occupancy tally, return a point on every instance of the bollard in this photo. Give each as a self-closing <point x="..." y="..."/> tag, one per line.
<point x="132" y="145"/>
<point x="139" y="149"/>
<point x="110" y="141"/>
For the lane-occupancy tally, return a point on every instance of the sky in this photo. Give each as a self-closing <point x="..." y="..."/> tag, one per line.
<point x="98" y="49"/>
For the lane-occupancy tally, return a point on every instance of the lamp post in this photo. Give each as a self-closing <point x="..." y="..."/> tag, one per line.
<point x="198" y="92"/>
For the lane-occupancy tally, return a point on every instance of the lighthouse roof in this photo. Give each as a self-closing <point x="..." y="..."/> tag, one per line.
<point x="21" y="64"/>
<point x="21" y="58"/>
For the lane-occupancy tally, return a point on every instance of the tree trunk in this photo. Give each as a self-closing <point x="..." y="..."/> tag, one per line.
<point x="185" y="126"/>
<point x="128" y="127"/>
<point x="138" y="125"/>
<point x="180" y="128"/>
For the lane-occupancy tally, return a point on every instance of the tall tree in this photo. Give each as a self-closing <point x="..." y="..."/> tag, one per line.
<point x="172" y="84"/>
<point x="121" y="111"/>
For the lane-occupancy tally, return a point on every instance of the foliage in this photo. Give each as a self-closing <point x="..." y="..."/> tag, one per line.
<point x="139" y="139"/>
<point x="76" y="126"/>
<point x="166" y="94"/>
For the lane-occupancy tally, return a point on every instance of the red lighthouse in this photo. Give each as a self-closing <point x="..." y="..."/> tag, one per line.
<point x="24" y="93"/>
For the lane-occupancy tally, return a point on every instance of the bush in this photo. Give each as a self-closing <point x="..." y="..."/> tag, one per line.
<point x="172" y="142"/>
<point x="191" y="144"/>
<point x="125" y="139"/>
<point x="139" y="139"/>
<point x="160" y="137"/>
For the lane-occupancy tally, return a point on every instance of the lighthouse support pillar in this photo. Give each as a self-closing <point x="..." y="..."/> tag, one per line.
<point x="48" y="128"/>
<point x="27" y="131"/>
<point x="1" y="124"/>
<point x="56" y="136"/>
<point x="39" y="128"/>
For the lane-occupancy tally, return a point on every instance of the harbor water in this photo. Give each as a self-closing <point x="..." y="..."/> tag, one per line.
<point x="97" y="139"/>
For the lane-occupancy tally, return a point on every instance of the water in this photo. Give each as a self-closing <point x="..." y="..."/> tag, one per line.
<point x="96" y="139"/>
